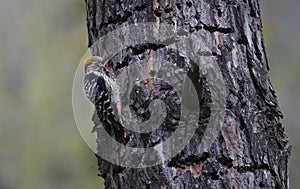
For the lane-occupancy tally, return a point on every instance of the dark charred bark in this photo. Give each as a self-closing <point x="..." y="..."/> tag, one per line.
<point x="252" y="150"/>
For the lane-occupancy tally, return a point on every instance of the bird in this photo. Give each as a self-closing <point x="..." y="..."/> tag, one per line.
<point x="102" y="90"/>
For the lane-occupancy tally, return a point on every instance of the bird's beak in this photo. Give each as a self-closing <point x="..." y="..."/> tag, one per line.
<point x="86" y="63"/>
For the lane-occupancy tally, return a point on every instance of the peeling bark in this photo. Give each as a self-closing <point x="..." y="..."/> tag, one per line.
<point x="252" y="150"/>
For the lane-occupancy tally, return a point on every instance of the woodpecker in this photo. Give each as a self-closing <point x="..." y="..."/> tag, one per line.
<point x="101" y="89"/>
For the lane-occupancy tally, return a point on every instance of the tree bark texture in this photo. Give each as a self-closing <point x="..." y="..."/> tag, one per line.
<point x="251" y="150"/>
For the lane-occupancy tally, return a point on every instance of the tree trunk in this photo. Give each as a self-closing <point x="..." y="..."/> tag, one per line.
<point x="251" y="150"/>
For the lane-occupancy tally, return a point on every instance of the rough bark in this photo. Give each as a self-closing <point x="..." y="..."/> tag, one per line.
<point x="252" y="150"/>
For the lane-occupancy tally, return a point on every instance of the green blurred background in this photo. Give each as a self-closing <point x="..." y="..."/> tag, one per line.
<point x="41" y="44"/>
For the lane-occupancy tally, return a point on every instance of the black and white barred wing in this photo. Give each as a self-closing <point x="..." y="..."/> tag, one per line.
<point x="98" y="93"/>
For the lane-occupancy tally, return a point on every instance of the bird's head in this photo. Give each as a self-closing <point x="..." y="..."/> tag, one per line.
<point x="93" y="63"/>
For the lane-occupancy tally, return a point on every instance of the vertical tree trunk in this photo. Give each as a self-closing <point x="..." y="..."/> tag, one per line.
<point x="251" y="150"/>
